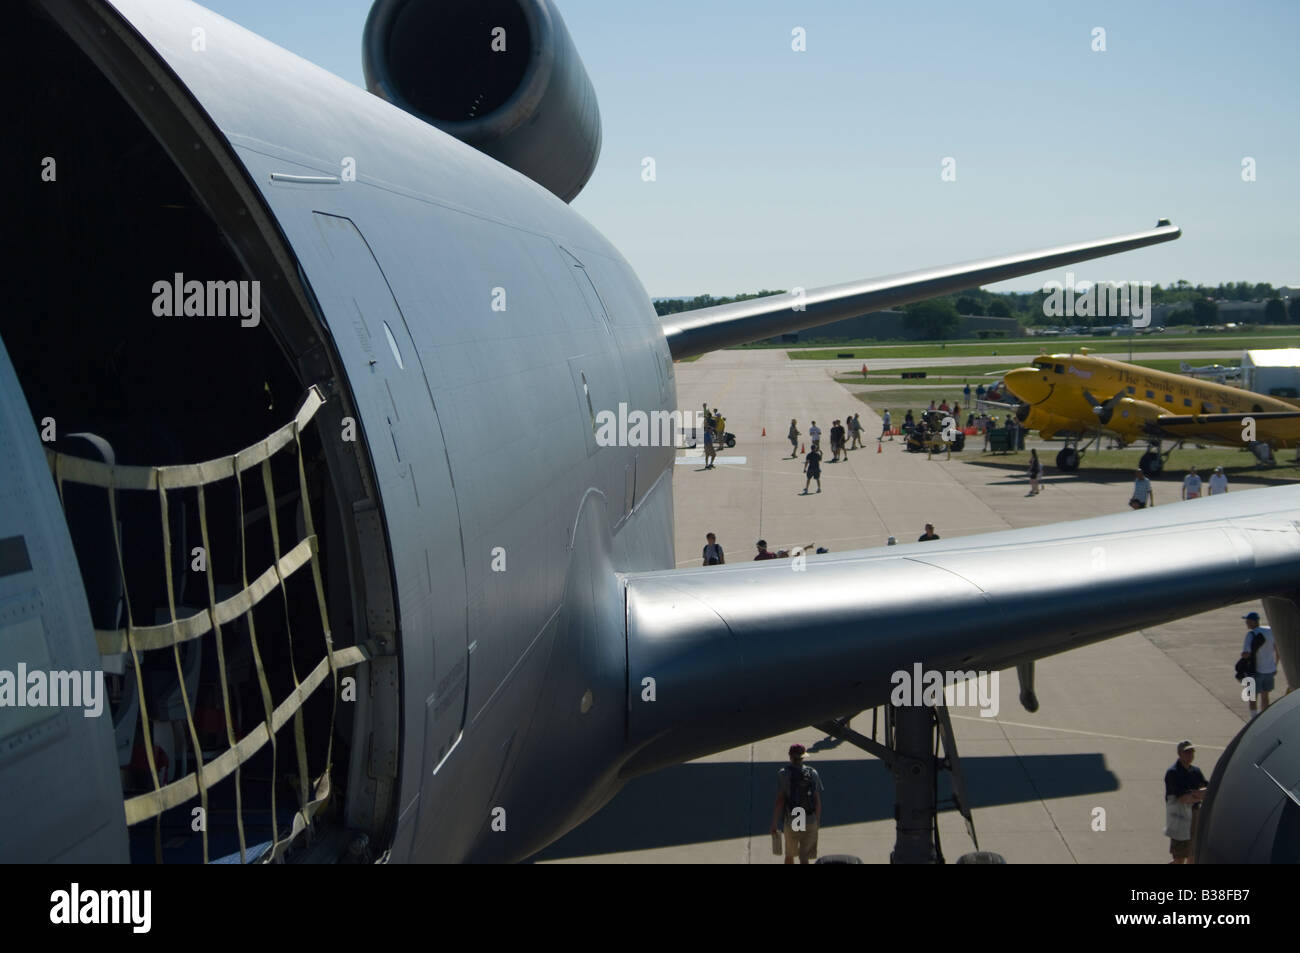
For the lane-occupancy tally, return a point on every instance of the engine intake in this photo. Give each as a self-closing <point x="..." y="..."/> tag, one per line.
<point x="502" y="76"/>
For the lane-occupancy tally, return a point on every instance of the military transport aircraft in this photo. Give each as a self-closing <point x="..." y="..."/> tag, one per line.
<point x="1085" y="397"/>
<point x="316" y="372"/>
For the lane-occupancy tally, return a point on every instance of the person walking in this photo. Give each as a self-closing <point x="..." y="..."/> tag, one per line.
<point x="713" y="555"/>
<point x="1143" y="494"/>
<point x="710" y="448"/>
<point x="1191" y="484"/>
<point x="812" y="466"/>
<point x="1260" y="648"/>
<point x="799" y="801"/>
<point x="886" y="429"/>
<point x="1218" y="482"/>
<point x="794" y="438"/>
<point x="1185" y="788"/>
<point x="855" y="428"/>
<point x="1035" y="471"/>
<point x="815" y="434"/>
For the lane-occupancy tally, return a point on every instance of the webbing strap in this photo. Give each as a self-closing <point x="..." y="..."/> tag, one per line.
<point x="299" y="731"/>
<point x="225" y="684"/>
<point x="96" y="473"/>
<point x="144" y="806"/>
<point x="192" y="627"/>
<point x="176" y="654"/>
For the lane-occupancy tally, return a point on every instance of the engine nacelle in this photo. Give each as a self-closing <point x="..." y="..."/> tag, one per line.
<point x="502" y="76"/>
<point x="1130" y="418"/>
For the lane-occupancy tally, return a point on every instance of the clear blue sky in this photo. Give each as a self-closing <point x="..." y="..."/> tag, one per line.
<point x="779" y="168"/>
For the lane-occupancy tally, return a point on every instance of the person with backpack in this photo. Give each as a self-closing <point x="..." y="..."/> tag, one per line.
<point x="799" y="801"/>
<point x="713" y="554"/>
<point x="1261" y="651"/>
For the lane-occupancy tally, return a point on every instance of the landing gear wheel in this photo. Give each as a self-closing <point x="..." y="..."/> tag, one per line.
<point x="1067" y="460"/>
<point x="1151" y="463"/>
<point x="958" y="442"/>
<point x="981" y="857"/>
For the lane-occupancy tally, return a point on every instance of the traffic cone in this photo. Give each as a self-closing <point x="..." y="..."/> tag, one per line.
<point x="802" y="448"/>
<point x="764" y="431"/>
<point x="878" y="447"/>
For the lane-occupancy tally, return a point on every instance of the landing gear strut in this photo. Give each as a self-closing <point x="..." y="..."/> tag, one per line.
<point x="911" y="754"/>
<point x="1153" y="461"/>
<point x="1067" y="461"/>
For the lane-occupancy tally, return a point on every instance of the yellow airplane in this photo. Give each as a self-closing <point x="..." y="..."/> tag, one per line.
<point x="1083" y="397"/>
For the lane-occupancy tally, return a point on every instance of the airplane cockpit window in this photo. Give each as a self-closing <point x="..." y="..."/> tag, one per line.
<point x="1060" y="368"/>
<point x="1151" y="393"/>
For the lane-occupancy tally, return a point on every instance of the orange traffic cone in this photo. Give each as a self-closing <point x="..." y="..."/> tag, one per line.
<point x="801" y="448"/>
<point x="878" y="450"/>
<point x="764" y="431"/>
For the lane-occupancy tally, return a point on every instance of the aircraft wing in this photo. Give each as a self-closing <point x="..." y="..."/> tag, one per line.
<point x="1218" y="427"/>
<point x="707" y="329"/>
<point x="738" y="653"/>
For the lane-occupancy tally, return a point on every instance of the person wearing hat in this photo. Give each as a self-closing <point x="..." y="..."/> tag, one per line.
<point x="1262" y="650"/>
<point x="1184" y="791"/>
<point x="1191" y="484"/>
<point x="1218" y="482"/>
<point x="798" y="789"/>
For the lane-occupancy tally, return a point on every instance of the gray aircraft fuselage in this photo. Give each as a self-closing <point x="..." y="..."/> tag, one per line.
<point x="469" y="328"/>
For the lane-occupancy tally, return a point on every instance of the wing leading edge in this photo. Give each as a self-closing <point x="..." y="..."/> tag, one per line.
<point x="707" y="329"/>
<point x="740" y="653"/>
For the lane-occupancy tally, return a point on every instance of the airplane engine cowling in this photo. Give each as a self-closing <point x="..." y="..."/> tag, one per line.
<point x="1130" y="418"/>
<point x="502" y="76"/>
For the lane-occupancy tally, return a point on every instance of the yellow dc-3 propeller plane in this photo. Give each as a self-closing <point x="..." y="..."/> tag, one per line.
<point x="1082" y="397"/>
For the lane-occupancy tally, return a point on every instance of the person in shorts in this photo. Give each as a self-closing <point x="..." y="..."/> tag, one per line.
<point x="812" y="465"/>
<point x="798" y="786"/>
<point x="1143" y="495"/>
<point x="1184" y="791"/>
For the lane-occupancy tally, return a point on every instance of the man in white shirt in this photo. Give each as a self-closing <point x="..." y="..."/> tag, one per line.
<point x="1265" y="659"/>
<point x="1191" y="484"/>
<point x="1218" y="482"/>
<point x="1143" y="495"/>
<point x="815" y="434"/>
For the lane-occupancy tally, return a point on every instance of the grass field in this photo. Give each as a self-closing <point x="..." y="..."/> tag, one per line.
<point x="1054" y="345"/>
<point x="974" y="372"/>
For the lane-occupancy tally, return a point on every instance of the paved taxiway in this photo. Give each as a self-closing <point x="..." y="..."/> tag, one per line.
<point x="1095" y="752"/>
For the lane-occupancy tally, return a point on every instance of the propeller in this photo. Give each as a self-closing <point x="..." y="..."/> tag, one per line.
<point x="1104" y="409"/>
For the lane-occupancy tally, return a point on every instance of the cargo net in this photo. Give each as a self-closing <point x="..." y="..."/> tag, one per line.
<point x="128" y="644"/>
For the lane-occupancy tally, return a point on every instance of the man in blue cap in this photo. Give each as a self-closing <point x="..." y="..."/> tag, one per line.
<point x="1260" y="647"/>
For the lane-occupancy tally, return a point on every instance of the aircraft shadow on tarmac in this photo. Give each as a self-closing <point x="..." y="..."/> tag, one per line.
<point x="1244" y="478"/>
<point x="703" y="802"/>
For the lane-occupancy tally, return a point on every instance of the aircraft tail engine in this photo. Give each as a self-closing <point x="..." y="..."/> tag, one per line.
<point x="502" y="76"/>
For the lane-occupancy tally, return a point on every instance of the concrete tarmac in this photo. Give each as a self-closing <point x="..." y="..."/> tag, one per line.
<point x="1080" y="781"/>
